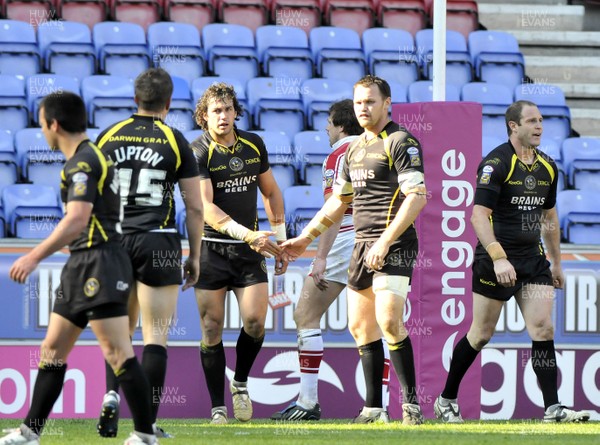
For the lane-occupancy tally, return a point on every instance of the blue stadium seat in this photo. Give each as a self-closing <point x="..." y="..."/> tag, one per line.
<point x="391" y="55"/>
<point x="488" y="143"/>
<point x="2" y="221"/>
<point x="302" y="202"/>
<point x="14" y="113"/>
<point x="32" y="210"/>
<point x="276" y="105"/>
<point x="578" y="216"/>
<point x="93" y="134"/>
<point x="284" y="52"/>
<point x="494" y="126"/>
<point x="581" y="160"/>
<point x="180" y="212"/>
<point x="108" y="99"/>
<point x="553" y="149"/>
<point x="337" y="53"/>
<point x="550" y="100"/>
<point x="200" y="85"/>
<point x="263" y="220"/>
<point x="494" y="97"/>
<point x="40" y="85"/>
<point x="230" y="51"/>
<point x="422" y="91"/>
<point x="496" y="57"/>
<point x="19" y="53"/>
<point x="399" y="92"/>
<point x="176" y="47"/>
<point x="181" y="113"/>
<point x="459" y="69"/>
<point x="9" y="173"/>
<point x="318" y="95"/>
<point x="281" y="157"/>
<point x="67" y="49"/>
<point x="121" y="49"/>
<point x="311" y="148"/>
<point x="39" y="164"/>
<point x="192" y="135"/>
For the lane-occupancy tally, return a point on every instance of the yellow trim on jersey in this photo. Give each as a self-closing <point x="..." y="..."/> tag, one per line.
<point x="164" y="224"/>
<point x="389" y="216"/>
<point x="513" y="162"/>
<point x="250" y="144"/>
<point x="387" y="149"/>
<point x="94" y="223"/>
<point x="548" y="167"/>
<point x="113" y="130"/>
<point x="211" y="149"/>
<point x="104" y="166"/>
<point x="172" y="141"/>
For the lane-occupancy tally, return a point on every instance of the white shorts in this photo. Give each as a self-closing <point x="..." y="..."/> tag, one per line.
<point x="338" y="259"/>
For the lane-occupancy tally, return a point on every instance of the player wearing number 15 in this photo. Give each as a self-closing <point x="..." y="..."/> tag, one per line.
<point x="151" y="158"/>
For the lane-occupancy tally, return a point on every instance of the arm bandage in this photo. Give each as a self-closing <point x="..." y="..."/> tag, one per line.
<point x="412" y="182"/>
<point x="235" y="230"/>
<point x="280" y="232"/>
<point x="319" y="224"/>
<point x="495" y="251"/>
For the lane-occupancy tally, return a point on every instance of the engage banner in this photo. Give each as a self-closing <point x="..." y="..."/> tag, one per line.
<point x="440" y="297"/>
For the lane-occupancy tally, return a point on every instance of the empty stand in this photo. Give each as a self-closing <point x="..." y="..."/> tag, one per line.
<point x="39" y="164"/>
<point x="303" y="14"/>
<point x="9" y="173"/>
<point x="581" y="160"/>
<point x="88" y="12"/>
<point x="41" y="85"/>
<point x="281" y="157"/>
<point x="312" y="147"/>
<point x="494" y="97"/>
<point x="14" y="113"/>
<point x="353" y="14"/>
<point x="578" y="216"/>
<point x="409" y="15"/>
<point x="34" y="12"/>
<point x="318" y="94"/>
<point x="198" y="13"/>
<point x="284" y="51"/>
<point x="422" y="91"/>
<point x="19" y="53"/>
<point x="140" y="12"/>
<point x="108" y="99"/>
<point x="302" y="202"/>
<point x="337" y="53"/>
<point x="181" y="112"/>
<point x="250" y="13"/>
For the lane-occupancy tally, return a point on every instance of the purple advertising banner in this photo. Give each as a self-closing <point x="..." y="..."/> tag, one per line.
<point x="439" y="313"/>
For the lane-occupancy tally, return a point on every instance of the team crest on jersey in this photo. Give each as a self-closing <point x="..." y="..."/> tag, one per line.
<point x="236" y="164"/>
<point x="488" y="169"/>
<point x="263" y="266"/>
<point x="360" y="155"/>
<point x="80" y="188"/>
<point x="393" y="259"/>
<point x="485" y="178"/>
<point x="91" y="287"/>
<point x="329" y="173"/>
<point x="530" y="182"/>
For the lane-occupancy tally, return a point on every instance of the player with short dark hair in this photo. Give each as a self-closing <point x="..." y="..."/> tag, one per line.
<point x="95" y="280"/>
<point x="151" y="158"/>
<point x="233" y="166"/>
<point x="514" y="210"/>
<point x="383" y="179"/>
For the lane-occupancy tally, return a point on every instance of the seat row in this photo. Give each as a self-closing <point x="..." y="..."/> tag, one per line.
<point x="233" y="50"/>
<point x="411" y="15"/>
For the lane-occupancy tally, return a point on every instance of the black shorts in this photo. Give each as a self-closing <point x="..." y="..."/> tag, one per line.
<point x="399" y="261"/>
<point x="534" y="270"/>
<point x="94" y="284"/>
<point x="155" y="257"/>
<point x="230" y="265"/>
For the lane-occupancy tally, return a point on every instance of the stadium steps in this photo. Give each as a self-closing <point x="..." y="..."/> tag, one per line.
<point x="531" y="17"/>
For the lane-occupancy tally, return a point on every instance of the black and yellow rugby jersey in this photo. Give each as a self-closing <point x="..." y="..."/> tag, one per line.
<point x="372" y="168"/>
<point x="151" y="157"/>
<point x="90" y="177"/>
<point x="233" y="172"/>
<point x="516" y="193"/>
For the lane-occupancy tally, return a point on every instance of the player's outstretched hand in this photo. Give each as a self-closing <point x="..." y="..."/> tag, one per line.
<point x="191" y="273"/>
<point x="21" y="268"/>
<point x="259" y="241"/>
<point x="295" y="247"/>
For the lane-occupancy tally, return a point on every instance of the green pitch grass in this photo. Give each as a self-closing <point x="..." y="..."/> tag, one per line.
<point x="338" y="432"/>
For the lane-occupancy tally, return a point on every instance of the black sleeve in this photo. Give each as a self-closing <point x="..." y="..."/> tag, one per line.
<point x="491" y="175"/>
<point x="189" y="166"/>
<point x="406" y="153"/>
<point x="200" y="150"/>
<point x="82" y="178"/>
<point x="551" y="199"/>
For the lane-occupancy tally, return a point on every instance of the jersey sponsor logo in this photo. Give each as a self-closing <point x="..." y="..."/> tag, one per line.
<point x="494" y="161"/>
<point x="488" y="169"/>
<point x="218" y="168"/>
<point x="415" y="160"/>
<point x="236" y="185"/>
<point x="530" y="182"/>
<point x="253" y="161"/>
<point x="122" y="286"/>
<point x="376" y="156"/>
<point x="80" y="188"/>
<point x="81" y="166"/>
<point x="91" y="287"/>
<point x="236" y="164"/>
<point x="413" y="151"/>
<point x="80" y="177"/>
<point x="485" y="178"/>
<point x="515" y="182"/>
<point x="328" y="177"/>
<point x="486" y="282"/>
<point x="543" y="183"/>
<point x="528" y="200"/>
<point x="360" y="155"/>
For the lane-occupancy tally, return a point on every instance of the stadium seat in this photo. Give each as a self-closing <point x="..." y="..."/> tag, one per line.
<point x="422" y="91"/>
<point x="140" y="12"/>
<point x="550" y="100"/>
<point x="399" y="92"/>
<point x="318" y="95"/>
<point x="459" y="69"/>
<point x="250" y="13"/>
<point x="108" y="99"/>
<point x="391" y="55"/>
<point x="40" y="85"/>
<point x="192" y="135"/>
<point x="34" y="12"/>
<point x="67" y="49"/>
<point x="311" y="148"/>
<point x="39" y="164"/>
<point x="181" y="112"/>
<point x="284" y="52"/>
<point x="9" y="173"/>
<point x="581" y="160"/>
<point x="32" y="210"/>
<point x="180" y="212"/>
<point x="276" y="104"/>
<point x="281" y="157"/>
<point x="88" y="12"/>
<point x="263" y="220"/>
<point x="302" y="202"/>
<point x="578" y="216"/>
<point x="19" y="53"/>
<point x="93" y="134"/>
<point x="176" y="47"/>
<point x="494" y="97"/>
<point x="198" y="13"/>
<point x="409" y="15"/>
<point x="202" y="83"/>
<point x="121" y="49"/>
<point x="488" y="143"/>
<point x="337" y="53"/>
<point x="14" y="113"/>
<point x="553" y="149"/>
<point x="496" y="57"/>
<point x="230" y="51"/>
<point x="461" y="16"/>
<point x="303" y="14"/>
<point x="494" y="126"/>
<point x="352" y="14"/>
<point x="2" y="221"/>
